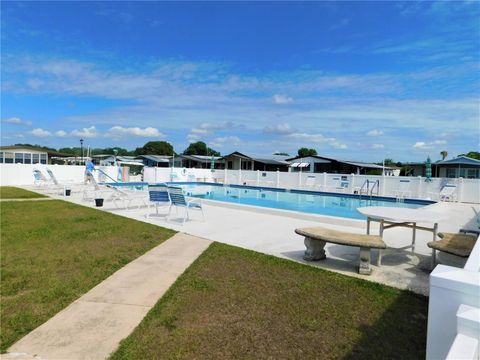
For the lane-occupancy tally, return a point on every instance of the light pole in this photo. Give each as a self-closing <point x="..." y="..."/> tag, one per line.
<point x="81" y="151"/>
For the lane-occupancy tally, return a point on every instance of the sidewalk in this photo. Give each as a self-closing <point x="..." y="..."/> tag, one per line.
<point x="93" y="326"/>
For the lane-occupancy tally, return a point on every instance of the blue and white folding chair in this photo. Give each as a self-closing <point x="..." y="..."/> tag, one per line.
<point x="158" y="195"/>
<point x="178" y="200"/>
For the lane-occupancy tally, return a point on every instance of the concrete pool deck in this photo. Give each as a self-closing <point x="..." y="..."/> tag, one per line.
<point x="271" y="232"/>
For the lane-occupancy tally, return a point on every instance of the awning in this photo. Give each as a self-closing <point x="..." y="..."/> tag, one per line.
<point x="301" y="165"/>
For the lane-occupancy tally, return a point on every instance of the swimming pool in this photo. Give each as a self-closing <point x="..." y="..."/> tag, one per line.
<point x="340" y="205"/>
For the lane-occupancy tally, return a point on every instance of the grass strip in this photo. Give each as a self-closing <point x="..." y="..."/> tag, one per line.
<point x="52" y="252"/>
<point x="236" y="303"/>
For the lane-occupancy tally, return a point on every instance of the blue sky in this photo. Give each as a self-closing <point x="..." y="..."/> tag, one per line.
<point x="355" y="80"/>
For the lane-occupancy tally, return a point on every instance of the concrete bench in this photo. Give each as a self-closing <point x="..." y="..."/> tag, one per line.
<point x="460" y="245"/>
<point x="317" y="237"/>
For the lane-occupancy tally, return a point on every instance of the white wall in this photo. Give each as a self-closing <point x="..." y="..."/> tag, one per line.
<point x="22" y="174"/>
<point x="453" y="310"/>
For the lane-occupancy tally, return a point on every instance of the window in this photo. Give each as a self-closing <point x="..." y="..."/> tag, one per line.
<point x="451" y="173"/>
<point x="1" y="157"/>
<point x="8" y="158"/>
<point x="43" y="158"/>
<point x="18" y="158"/>
<point x="27" y="158"/>
<point x="36" y="158"/>
<point x="230" y="165"/>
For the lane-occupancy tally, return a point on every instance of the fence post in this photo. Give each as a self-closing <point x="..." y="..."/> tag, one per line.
<point x="460" y="189"/>
<point x="300" y="180"/>
<point x="258" y="177"/>
<point x="353" y="183"/>
<point x="239" y="177"/>
<point x="225" y="177"/>
<point x="419" y="191"/>
<point x="278" y="178"/>
<point x="324" y="181"/>
<point x="383" y="183"/>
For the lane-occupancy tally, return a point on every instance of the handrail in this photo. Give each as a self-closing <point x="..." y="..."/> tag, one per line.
<point x="104" y="173"/>
<point x="369" y="190"/>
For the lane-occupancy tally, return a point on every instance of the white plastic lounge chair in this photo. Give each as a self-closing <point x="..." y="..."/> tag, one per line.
<point x="178" y="200"/>
<point x="403" y="190"/>
<point x="39" y="178"/>
<point x="158" y="195"/>
<point x="126" y="197"/>
<point x="447" y="193"/>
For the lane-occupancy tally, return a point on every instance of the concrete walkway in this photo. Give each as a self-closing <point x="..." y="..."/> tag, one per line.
<point x="93" y="326"/>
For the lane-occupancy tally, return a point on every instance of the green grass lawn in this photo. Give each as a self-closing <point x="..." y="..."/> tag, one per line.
<point x="52" y="252"/>
<point x="235" y="303"/>
<point x="10" y="192"/>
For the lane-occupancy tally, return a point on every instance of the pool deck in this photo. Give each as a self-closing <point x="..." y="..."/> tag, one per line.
<point x="271" y="231"/>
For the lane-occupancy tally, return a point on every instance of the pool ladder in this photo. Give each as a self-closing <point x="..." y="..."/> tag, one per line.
<point x="369" y="187"/>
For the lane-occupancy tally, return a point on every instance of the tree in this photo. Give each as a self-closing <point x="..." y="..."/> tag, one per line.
<point x="444" y="154"/>
<point x="111" y="151"/>
<point x="472" y="154"/>
<point x="200" y="148"/>
<point x="389" y="162"/>
<point x="155" y="148"/>
<point x="304" y="152"/>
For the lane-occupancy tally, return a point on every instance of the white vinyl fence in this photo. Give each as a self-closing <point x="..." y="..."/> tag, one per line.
<point x="468" y="190"/>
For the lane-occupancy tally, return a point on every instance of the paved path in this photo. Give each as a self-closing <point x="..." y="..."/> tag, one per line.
<point x="93" y="326"/>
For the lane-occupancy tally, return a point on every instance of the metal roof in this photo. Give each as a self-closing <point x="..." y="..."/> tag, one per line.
<point x="155" y="158"/>
<point x="270" y="161"/>
<point x="461" y="160"/>
<point x="201" y="158"/>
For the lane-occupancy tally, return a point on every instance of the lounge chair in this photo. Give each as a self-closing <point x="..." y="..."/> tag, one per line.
<point x="126" y="197"/>
<point x="459" y="245"/>
<point x="39" y="178"/>
<point x="447" y="193"/>
<point x="178" y="200"/>
<point x="403" y="190"/>
<point x="158" y="195"/>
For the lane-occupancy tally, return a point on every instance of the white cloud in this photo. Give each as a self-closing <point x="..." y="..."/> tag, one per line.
<point x="317" y="139"/>
<point x="220" y="141"/>
<point x="40" y="132"/>
<point x="17" y="121"/>
<point x="119" y="132"/>
<point x="60" y="133"/>
<point x="422" y="145"/>
<point x="279" y="129"/>
<point x="89" y="132"/>
<point x="282" y="99"/>
<point x="378" y="146"/>
<point x="375" y="132"/>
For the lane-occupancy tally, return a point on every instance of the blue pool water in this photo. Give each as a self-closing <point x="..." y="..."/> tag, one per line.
<point x="341" y="205"/>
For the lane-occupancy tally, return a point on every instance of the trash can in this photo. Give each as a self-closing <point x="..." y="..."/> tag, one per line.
<point x="98" y="202"/>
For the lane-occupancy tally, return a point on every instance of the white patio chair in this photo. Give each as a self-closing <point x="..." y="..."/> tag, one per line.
<point x="403" y="190"/>
<point x="178" y="200"/>
<point x="158" y="196"/>
<point x="447" y="193"/>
